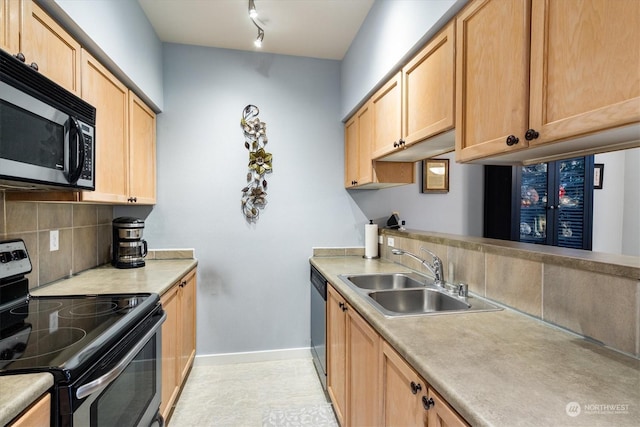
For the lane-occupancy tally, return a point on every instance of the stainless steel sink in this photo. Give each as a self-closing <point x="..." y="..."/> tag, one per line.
<point x="377" y="282"/>
<point x="417" y="301"/>
<point x="412" y="294"/>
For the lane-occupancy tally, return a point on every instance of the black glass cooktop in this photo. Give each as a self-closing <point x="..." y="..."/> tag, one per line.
<point x="66" y="333"/>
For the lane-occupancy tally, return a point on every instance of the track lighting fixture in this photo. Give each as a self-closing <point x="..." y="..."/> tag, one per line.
<point x="253" y="15"/>
<point x="258" y="41"/>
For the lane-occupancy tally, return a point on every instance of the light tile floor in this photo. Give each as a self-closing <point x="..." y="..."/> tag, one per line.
<point x="274" y="393"/>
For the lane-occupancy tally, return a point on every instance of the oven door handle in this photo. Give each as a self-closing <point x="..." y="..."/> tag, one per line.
<point x="106" y="379"/>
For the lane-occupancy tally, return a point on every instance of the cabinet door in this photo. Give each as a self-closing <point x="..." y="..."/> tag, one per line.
<point x="363" y="388"/>
<point x="428" y="89"/>
<point x="585" y="67"/>
<point x="358" y="141"/>
<point x="351" y="145"/>
<point x="336" y="352"/>
<point x="10" y="20"/>
<point x="110" y="97"/>
<point x="169" y="351"/>
<point x="403" y="390"/>
<point x="187" y="295"/>
<point x="47" y="44"/>
<point x="38" y="415"/>
<point x="441" y="414"/>
<point x="492" y="77"/>
<point x="365" y="143"/>
<point x="142" y="151"/>
<point x="387" y="117"/>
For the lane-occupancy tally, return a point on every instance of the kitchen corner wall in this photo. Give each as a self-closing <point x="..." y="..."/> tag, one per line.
<point x="253" y="278"/>
<point x="84" y="236"/>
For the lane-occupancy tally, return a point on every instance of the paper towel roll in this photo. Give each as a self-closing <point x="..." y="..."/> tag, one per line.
<point x="371" y="241"/>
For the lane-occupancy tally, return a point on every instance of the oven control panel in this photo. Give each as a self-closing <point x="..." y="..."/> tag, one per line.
<point x="14" y="259"/>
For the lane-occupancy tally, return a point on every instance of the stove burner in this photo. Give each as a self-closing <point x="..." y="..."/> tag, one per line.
<point x="40" y="307"/>
<point x="89" y="309"/>
<point x="52" y="342"/>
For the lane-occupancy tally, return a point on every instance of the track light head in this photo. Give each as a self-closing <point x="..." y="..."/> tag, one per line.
<point x="258" y="41"/>
<point x="253" y="13"/>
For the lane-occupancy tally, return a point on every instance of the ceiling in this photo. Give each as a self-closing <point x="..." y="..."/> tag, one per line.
<point x="312" y="28"/>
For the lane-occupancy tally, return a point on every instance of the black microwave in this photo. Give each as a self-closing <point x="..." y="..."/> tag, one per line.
<point x="47" y="134"/>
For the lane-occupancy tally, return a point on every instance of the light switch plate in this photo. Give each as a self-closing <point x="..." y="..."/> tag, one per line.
<point x="390" y="241"/>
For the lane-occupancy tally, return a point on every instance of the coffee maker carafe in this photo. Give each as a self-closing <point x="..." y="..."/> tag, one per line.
<point x="129" y="248"/>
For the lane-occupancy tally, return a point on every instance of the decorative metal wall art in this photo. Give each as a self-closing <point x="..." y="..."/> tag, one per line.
<point x="254" y="196"/>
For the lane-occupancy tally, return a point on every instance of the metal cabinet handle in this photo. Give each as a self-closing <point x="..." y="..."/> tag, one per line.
<point x="415" y="387"/>
<point x="531" y="134"/>
<point x="428" y="403"/>
<point x="512" y="140"/>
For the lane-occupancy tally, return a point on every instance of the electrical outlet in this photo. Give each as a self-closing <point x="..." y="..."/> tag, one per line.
<point x="380" y="239"/>
<point x="54" y="242"/>
<point x="390" y="241"/>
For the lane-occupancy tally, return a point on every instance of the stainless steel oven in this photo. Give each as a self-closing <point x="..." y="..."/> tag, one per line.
<point x="125" y="389"/>
<point x="103" y="351"/>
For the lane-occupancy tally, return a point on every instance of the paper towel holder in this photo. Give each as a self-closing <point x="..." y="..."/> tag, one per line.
<point x="365" y="256"/>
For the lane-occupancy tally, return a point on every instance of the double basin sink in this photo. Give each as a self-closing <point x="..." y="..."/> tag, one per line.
<point x="410" y="294"/>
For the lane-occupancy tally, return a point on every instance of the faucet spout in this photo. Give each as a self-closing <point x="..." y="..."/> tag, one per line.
<point x="435" y="267"/>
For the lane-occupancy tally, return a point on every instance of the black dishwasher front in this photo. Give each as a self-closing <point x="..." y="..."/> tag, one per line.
<point x="319" y="324"/>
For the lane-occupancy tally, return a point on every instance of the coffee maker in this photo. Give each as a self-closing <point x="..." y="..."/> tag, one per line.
<point x="128" y="246"/>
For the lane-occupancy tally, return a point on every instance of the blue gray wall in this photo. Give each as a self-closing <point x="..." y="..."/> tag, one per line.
<point x="253" y="289"/>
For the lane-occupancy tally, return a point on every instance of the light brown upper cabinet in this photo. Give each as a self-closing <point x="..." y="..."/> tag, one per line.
<point x="26" y="28"/>
<point x="47" y="44"/>
<point x="10" y="19"/>
<point x="142" y="152"/>
<point x="125" y="139"/>
<point x="110" y="97"/>
<point x="387" y="117"/>
<point x="360" y="170"/>
<point x="426" y="111"/>
<point x="358" y="140"/>
<point x="538" y="80"/>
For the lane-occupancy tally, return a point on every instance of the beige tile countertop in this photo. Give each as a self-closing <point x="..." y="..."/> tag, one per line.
<point x="17" y="392"/>
<point x="503" y="368"/>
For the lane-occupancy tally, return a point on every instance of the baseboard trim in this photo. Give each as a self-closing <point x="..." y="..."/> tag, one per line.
<point x="253" y="356"/>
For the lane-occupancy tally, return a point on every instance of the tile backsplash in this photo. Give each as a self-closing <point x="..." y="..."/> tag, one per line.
<point x="84" y="235"/>
<point x="584" y="292"/>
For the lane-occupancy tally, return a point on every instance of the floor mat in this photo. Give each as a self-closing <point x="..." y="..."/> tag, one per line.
<point x="312" y="415"/>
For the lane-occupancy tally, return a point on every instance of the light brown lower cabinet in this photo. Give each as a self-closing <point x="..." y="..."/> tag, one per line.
<point x="369" y="383"/>
<point x="353" y="349"/>
<point x="37" y="415"/>
<point x="408" y="400"/>
<point x="178" y="339"/>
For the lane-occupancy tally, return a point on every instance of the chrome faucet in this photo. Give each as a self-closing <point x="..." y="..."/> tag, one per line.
<point x="435" y="267"/>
